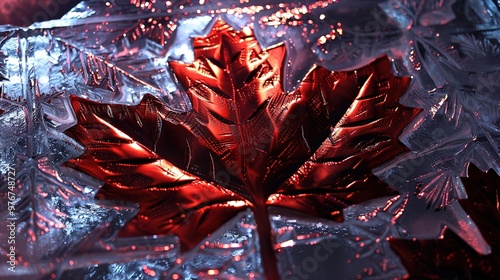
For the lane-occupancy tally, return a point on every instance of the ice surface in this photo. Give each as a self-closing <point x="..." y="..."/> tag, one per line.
<point x="116" y="51"/>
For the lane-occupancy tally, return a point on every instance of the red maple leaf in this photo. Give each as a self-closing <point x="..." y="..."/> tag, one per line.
<point x="450" y="257"/>
<point x="245" y="143"/>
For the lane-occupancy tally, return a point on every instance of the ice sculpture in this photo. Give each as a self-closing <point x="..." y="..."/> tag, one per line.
<point x="106" y="59"/>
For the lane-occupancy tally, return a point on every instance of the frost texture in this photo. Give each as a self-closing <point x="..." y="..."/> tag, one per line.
<point x="56" y="218"/>
<point x="125" y="258"/>
<point x="232" y="250"/>
<point x="454" y="62"/>
<point x="357" y="247"/>
<point x="450" y="47"/>
<point x="450" y="256"/>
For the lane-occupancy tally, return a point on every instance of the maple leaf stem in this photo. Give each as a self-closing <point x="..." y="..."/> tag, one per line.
<point x="265" y="232"/>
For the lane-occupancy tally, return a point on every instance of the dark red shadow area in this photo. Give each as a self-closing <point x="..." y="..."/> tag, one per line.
<point x="26" y="12"/>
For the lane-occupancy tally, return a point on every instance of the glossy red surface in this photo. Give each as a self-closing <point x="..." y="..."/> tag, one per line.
<point x="246" y="143"/>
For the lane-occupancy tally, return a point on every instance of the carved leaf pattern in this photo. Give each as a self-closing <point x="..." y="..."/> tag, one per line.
<point x="246" y="142"/>
<point x="450" y="257"/>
